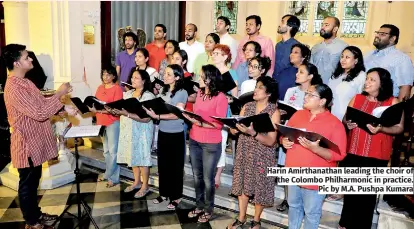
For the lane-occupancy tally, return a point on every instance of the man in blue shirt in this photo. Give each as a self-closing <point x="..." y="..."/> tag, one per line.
<point x="325" y="55"/>
<point x="288" y="28"/>
<point x="388" y="57"/>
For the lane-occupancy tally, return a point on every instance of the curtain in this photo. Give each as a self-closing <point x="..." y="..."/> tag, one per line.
<point x="143" y="15"/>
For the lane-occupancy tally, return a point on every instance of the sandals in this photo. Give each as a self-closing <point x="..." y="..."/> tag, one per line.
<point x="237" y="223"/>
<point x="253" y="224"/>
<point x="173" y="204"/>
<point x="159" y="199"/>
<point x="110" y="184"/>
<point x="283" y="206"/>
<point x="335" y="197"/>
<point x="194" y="213"/>
<point x="205" y="217"/>
<point x="132" y="188"/>
<point x="141" y="194"/>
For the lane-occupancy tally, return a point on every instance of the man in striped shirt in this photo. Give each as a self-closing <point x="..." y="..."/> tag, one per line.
<point x="32" y="140"/>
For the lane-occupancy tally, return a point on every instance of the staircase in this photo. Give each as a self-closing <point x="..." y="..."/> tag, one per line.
<point x="91" y="156"/>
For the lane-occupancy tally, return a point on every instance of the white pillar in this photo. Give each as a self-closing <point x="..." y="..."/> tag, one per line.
<point x="16" y="23"/>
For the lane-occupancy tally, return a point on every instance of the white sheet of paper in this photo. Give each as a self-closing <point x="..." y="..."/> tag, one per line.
<point x="377" y="112"/>
<point x="83" y="131"/>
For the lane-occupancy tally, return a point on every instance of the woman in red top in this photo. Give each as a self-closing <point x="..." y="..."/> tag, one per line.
<point x="368" y="149"/>
<point x="108" y="92"/>
<point x="304" y="201"/>
<point x="205" y="140"/>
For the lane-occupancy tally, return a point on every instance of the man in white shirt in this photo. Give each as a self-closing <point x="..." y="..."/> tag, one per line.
<point x="222" y="28"/>
<point x="191" y="45"/>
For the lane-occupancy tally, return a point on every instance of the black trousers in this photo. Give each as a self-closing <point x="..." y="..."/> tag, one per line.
<point x="358" y="210"/>
<point x="28" y="184"/>
<point x="171" y="149"/>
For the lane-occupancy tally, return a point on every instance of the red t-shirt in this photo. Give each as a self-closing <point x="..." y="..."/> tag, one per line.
<point x="156" y="55"/>
<point x="107" y="95"/>
<point x="324" y="124"/>
<point x="216" y="106"/>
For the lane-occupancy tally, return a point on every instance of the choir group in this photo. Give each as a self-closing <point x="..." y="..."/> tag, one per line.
<point x="321" y="83"/>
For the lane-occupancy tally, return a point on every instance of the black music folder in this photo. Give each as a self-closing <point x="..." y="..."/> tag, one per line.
<point x="227" y="83"/>
<point x="179" y="113"/>
<point x="386" y="116"/>
<point x="294" y="133"/>
<point x="132" y="105"/>
<point x="90" y="101"/>
<point x="261" y="122"/>
<point x="236" y="104"/>
<point x="286" y="110"/>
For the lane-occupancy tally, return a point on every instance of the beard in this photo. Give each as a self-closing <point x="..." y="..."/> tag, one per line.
<point x="188" y="38"/>
<point x="129" y="46"/>
<point x="281" y="30"/>
<point x="326" y="34"/>
<point x="380" y="44"/>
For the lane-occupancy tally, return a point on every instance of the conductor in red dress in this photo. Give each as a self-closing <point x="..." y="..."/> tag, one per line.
<point x="32" y="140"/>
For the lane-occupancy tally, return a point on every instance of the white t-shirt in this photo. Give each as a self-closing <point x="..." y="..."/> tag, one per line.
<point x="248" y="86"/>
<point x="228" y="40"/>
<point x="344" y="91"/>
<point x="192" y="51"/>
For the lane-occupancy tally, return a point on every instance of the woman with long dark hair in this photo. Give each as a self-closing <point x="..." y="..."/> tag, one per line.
<point x="368" y="149"/>
<point x="205" y="140"/>
<point x="136" y="133"/>
<point x="347" y="80"/>
<point x="171" y="145"/>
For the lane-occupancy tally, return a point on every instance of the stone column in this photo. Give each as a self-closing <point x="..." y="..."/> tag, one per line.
<point x="16" y="23"/>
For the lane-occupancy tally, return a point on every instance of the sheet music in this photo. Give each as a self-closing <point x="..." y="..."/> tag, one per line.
<point x="83" y="131"/>
<point x="99" y="101"/>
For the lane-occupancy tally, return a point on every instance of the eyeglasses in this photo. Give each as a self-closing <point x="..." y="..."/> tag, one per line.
<point x="381" y="33"/>
<point x="308" y="94"/>
<point x="255" y="67"/>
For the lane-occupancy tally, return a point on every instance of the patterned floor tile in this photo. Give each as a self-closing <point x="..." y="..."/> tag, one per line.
<point x="5" y="202"/>
<point x="66" y="189"/>
<point x="163" y="218"/>
<point x="7" y="192"/>
<point x="12" y="215"/>
<point x="85" y="187"/>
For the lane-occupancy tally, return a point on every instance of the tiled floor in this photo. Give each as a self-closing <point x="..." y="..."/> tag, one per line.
<point x="112" y="208"/>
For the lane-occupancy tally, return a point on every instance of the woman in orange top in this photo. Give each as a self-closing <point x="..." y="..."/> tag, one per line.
<point x="108" y="92"/>
<point x="304" y="200"/>
<point x="368" y="149"/>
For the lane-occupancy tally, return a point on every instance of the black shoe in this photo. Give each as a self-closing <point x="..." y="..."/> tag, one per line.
<point x="283" y="206"/>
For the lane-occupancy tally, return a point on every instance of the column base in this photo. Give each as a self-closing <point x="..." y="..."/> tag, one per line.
<point x="53" y="176"/>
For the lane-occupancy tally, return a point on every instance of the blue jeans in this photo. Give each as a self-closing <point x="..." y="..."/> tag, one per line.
<point x="204" y="159"/>
<point x="304" y="202"/>
<point x="110" y="146"/>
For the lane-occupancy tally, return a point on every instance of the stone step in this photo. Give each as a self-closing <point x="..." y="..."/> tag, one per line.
<point x="392" y="219"/>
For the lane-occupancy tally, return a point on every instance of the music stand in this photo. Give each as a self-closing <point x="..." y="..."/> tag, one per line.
<point x="79" y="132"/>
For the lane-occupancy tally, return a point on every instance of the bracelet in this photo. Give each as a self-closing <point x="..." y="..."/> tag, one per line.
<point x="255" y="135"/>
